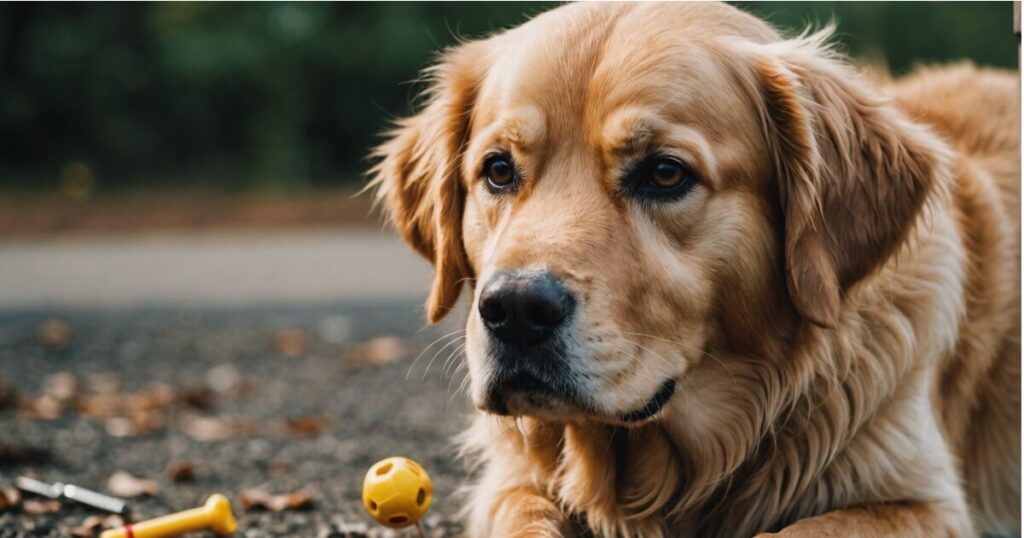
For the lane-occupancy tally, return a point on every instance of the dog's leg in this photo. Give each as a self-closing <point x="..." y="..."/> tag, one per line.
<point x="903" y="520"/>
<point x="507" y="499"/>
<point x="518" y="511"/>
<point x="524" y="512"/>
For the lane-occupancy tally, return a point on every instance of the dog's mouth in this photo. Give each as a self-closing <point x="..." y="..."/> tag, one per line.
<point x="523" y="389"/>
<point x="523" y="392"/>
<point x="651" y="408"/>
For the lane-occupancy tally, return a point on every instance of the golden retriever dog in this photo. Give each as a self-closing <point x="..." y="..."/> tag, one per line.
<point x="722" y="284"/>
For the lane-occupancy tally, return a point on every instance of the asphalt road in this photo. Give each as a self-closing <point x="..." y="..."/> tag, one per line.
<point x="288" y="358"/>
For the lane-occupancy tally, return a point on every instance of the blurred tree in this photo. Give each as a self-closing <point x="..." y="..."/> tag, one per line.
<point x="289" y="95"/>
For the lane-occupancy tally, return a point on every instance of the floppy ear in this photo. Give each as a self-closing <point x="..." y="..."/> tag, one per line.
<point x="852" y="171"/>
<point x="417" y="176"/>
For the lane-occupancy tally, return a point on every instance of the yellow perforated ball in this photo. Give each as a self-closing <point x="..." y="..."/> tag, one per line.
<point x="397" y="492"/>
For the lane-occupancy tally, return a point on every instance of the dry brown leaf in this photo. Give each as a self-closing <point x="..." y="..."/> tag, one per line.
<point x="181" y="471"/>
<point x="45" y="407"/>
<point x="152" y="397"/>
<point x="217" y="428"/>
<point x="10" y="498"/>
<point x="98" y="406"/>
<point x="139" y="413"/>
<point x="378" y="351"/>
<point x="89" y="527"/>
<point x="54" y="333"/>
<point x="35" y="507"/>
<point x="261" y="499"/>
<point x="290" y="342"/>
<point x="120" y="427"/>
<point x="310" y="426"/>
<point x="62" y="385"/>
<point x="123" y="484"/>
<point x="104" y="384"/>
<point x="94" y="524"/>
<point x="145" y="422"/>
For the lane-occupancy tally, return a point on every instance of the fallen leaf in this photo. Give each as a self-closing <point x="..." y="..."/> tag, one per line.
<point x="94" y="524"/>
<point x="217" y="428"/>
<point x="139" y="413"/>
<point x="120" y="427"/>
<point x="123" y="484"/>
<point x="104" y="384"/>
<point x="290" y="342"/>
<point x="98" y="406"/>
<point x="378" y="351"/>
<point x="156" y="395"/>
<point x="311" y="426"/>
<point x="181" y="471"/>
<point x="10" y="498"/>
<point x="261" y="499"/>
<point x="62" y="385"/>
<point x="145" y="422"/>
<point x="35" y="507"/>
<point x="45" y="407"/>
<point x="22" y="454"/>
<point x="54" y="333"/>
<point x="89" y="527"/>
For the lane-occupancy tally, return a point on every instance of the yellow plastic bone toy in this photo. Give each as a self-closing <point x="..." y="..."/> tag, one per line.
<point x="215" y="515"/>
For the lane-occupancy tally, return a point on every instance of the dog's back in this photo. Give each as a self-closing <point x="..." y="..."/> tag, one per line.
<point x="978" y="393"/>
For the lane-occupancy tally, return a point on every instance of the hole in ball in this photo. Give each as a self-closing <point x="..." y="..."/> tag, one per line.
<point x="373" y="506"/>
<point x="384" y="469"/>
<point x="398" y="520"/>
<point x="421" y="496"/>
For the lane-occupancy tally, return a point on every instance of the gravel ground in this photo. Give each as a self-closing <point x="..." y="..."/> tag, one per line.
<point x="261" y="368"/>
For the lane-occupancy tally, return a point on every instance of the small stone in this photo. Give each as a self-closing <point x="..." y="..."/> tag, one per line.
<point x="224" y="379"/>
<point x="334" y="329"/>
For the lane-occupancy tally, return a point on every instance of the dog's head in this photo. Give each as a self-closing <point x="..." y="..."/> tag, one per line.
<point x="623" y="187"/>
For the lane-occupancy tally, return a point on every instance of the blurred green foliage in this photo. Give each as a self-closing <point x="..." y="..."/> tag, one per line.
<point x="243" y="95"/>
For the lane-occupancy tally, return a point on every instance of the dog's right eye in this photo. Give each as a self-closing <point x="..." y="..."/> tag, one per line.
<point x="499" y="173"/>
<point x="658" y="178"/>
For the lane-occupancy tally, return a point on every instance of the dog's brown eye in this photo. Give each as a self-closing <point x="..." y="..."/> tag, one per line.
<point x="499" y="172"/>
<point x="668" y="174"/>
<point x="657" y="178"/>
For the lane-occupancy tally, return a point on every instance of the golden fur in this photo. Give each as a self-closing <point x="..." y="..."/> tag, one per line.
<point x="838" y="299"/>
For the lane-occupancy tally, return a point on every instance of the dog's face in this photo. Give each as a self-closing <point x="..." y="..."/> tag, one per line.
<point x="626" y="186"/>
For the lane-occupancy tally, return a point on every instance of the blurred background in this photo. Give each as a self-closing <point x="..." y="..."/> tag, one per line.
<point x="101" y="98"/>
<point x="277" y="354"/>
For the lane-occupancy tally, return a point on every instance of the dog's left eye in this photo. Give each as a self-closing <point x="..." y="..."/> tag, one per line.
<point x="658" y="177"/>
<point x="499" y="173"/>
<point x="668" y="174"/>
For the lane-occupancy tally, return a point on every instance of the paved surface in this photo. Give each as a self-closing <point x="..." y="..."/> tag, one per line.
<point x="269" y="330"/>
<point x="210" y="269"/>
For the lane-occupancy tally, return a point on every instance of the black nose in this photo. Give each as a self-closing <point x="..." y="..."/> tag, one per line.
<point x="524" y="310"/>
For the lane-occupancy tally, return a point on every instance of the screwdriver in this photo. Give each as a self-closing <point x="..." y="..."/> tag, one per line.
<point x="72" y="492"/>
